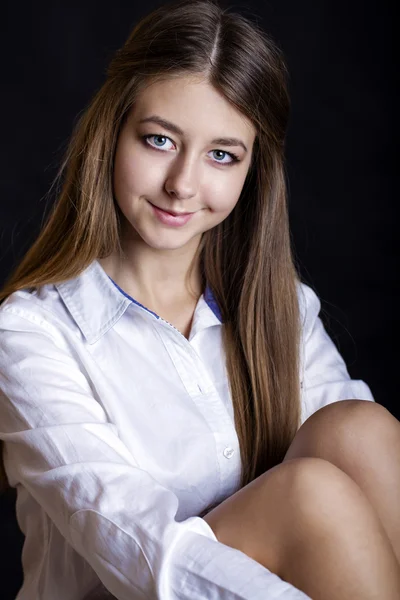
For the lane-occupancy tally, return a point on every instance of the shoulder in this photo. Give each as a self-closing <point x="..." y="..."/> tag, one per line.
<point x="36" y="308"/>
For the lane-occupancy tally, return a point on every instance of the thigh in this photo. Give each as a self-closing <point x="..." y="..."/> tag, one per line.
<point x="289" y="501"/>
<point x="248" y="510"/>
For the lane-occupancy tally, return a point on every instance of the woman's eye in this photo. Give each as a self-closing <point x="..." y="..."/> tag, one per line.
<point x="233" y="157"/>
<point x="157" y="138"/>
<point x="159" y="144"/>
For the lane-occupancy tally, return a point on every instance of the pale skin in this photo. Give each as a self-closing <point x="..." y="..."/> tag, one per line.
<point x="179" y="172"/>
<point x="326" y="519"/>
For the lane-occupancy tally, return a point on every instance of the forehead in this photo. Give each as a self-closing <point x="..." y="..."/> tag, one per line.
<point x="194" y="105"/>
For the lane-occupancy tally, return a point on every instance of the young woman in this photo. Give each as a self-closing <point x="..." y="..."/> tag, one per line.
<point x="174" y="416"/>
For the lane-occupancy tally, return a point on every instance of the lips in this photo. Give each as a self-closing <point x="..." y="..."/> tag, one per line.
<point x="175" y="214"/>
<point x="170" y="219"/>
<point x="171" y="212"/>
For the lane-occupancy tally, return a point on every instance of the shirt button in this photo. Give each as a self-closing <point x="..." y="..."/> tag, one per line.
<point x="228" y="452"/>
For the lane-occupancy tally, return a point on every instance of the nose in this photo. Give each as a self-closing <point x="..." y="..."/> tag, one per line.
<point x="182" y="182"/>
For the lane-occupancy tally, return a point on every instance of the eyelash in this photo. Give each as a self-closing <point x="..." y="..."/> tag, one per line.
<point x="234" y="157"/>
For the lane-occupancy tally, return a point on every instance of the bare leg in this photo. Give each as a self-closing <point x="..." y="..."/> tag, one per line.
<point x="309" y="523"/>
<point x="363" y="440"/>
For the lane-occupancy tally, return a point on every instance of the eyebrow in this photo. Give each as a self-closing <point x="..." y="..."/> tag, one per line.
<point x="224" y="141"/>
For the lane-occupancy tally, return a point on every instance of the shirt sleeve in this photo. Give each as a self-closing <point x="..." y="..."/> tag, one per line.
<point x="325" y="378"/>
<point x="62" y="448"/>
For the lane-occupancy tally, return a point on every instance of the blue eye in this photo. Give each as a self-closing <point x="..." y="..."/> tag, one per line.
<point x="157" y="146"/>
<point x="163" y="137"/>
<point x="233" y="156"/>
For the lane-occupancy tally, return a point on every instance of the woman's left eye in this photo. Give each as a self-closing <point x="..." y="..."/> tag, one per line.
<point x="157" y="146"/>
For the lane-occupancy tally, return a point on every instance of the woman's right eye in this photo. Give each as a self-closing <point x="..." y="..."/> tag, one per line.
<point x="156" y="146"/>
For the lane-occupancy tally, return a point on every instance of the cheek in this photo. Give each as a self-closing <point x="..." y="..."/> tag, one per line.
<point x="223" y="197"/>
<point x="134" y="174"/>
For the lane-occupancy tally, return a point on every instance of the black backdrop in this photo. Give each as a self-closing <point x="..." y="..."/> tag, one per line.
<point x="340" y="156"/>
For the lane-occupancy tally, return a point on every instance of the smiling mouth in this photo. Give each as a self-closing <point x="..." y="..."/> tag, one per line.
<point x="170" y="212"/>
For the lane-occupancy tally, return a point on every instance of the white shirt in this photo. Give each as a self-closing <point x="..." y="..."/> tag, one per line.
<point x="119" y="432"/>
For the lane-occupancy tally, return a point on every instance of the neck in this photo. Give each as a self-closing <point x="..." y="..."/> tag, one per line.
<point x="157" y="278"/>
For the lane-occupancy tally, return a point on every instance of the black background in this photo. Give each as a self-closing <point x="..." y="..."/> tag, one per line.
<point x="340" y="157"/>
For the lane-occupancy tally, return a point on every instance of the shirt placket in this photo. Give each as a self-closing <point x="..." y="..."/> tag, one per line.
<point x="200" y="388"/>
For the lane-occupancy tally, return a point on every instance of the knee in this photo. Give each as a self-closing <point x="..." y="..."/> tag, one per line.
<point x="287" y="507"/>
<point x="316" y="495"/>
<point x="354" y="412"/>
<point x="343" y="428"/>
<point x="311" y="480"/>
<point x="309" y="500"/>
<point x="353" y="415"/>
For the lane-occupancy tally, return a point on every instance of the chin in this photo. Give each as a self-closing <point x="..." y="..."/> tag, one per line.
<point x="167" y="242"/>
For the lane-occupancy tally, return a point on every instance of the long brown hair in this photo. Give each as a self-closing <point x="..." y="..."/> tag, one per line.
<point x="247" y="259"/>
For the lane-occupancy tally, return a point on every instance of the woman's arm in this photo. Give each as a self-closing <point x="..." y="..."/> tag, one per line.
<point x="324" y="375"/>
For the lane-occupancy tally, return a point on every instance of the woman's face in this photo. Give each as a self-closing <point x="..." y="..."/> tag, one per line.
<point x="181" y="165"/>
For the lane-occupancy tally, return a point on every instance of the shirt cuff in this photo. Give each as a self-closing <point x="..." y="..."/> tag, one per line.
<point x="202" y="568"/>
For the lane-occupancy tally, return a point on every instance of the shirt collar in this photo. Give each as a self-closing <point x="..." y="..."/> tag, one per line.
<point x="96" y="303"/>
